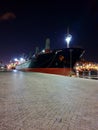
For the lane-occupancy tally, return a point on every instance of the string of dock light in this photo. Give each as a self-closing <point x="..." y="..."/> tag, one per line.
<point x="86" y="66"/>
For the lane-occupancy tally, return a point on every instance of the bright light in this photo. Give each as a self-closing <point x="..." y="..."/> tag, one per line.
<point x="22" y="59"/>
<point x="77" y="64"/>
<point x="43" y="50"/>
<point x="15" y="71"/>
<point x="15" y="59"/>
<point x="68" y="39"/>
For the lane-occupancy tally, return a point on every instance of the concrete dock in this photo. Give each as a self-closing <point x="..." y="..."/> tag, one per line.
<point x="35" y="101"/>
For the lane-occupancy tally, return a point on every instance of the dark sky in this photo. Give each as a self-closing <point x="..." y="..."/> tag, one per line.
<point x="26" y="24"/>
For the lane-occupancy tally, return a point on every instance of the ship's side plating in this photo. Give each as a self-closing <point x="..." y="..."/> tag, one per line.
<point x="64" y="58"/>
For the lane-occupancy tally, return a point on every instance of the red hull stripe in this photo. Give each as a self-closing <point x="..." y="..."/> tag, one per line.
<point x="59" y="71"/>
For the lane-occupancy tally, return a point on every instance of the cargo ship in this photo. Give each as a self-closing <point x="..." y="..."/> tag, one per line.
<point x="58" y="61"/>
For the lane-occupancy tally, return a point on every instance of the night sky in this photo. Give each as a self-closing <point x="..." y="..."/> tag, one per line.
<point x="26" y="24"/>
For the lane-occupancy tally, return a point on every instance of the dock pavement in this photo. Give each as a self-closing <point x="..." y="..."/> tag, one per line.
<point x="35" y="101"/>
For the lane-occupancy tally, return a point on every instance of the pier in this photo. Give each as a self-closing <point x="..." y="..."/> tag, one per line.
<point x="36" y="101"/>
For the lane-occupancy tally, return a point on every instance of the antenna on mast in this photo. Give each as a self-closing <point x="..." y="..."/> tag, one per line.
<point x="67" y="30"/>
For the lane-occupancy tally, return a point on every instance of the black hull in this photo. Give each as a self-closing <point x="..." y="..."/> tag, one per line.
<point x="64" y="58"/>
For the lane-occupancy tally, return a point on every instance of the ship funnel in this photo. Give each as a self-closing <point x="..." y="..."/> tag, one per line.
<point x="37" y="50"/>
<point x="47" y="46"/>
